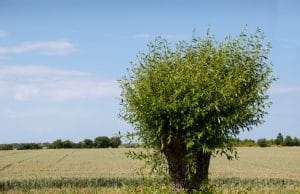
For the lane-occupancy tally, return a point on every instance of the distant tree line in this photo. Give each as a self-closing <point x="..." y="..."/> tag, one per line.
<point x="280" y="140"/>
<point x="21" y="146"/>
<point x="99" y="142"/>
<point x="6" y="147"/>
<point x="115" y="142"/>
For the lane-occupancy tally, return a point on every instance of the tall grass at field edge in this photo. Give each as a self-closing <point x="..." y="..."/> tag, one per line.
<point x="222" y="182"/>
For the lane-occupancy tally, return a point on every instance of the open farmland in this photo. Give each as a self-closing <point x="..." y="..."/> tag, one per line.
<point x="261" y="166"/>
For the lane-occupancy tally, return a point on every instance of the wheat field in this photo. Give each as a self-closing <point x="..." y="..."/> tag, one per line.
<point x="273" y="168"/>
<point x="254" y="162"/>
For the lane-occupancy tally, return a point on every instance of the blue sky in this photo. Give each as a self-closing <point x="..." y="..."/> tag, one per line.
<point x="60" y="59"/>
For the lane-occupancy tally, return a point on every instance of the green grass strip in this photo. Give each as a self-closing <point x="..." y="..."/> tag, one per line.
<point x="120" y="182"/>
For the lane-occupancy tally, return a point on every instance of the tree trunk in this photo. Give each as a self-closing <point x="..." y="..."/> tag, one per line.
<point x="175" y="153"/>
<point x="201" y="175"/>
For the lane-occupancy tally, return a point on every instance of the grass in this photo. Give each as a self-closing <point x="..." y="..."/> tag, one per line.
<point x="258" y="170"/>
<point x="256" y="162"/>
<point x="139" y="185"/>
<point x="28" y="164"/>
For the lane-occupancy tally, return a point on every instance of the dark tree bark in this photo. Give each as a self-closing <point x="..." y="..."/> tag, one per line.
<point x="175" y="153"/>
<point x="201" y="175"/>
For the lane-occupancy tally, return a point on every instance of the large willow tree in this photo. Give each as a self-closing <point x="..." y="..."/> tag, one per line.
<point x="188" y="101"/>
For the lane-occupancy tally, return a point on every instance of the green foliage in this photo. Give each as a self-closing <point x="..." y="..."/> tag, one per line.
<point x="245" y="142"/>
<point x="29" y="146"/>
<point x="56" y="144"/>
<point x="6" y="147"/>
<point x="127" y="185"/>
<point x="296" y="141"/>
<point x="288" y="141"/>
<point x="102" y="142"/>
<point x="198" y="95"/>
<point x="262" y="142"/>
<point x="59" y="144"/>
<point x="68" y="144"/>
<point x="279" y="139"/>
<point x="115" y="142"/>
<point x="88" y="143"/>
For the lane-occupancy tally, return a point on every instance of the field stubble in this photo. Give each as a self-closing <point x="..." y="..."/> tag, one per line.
<point x="258" y="170"/>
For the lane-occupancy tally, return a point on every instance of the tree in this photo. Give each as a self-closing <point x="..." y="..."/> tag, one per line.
<point x="87" y="143"/>
<point x="188" y="101"/>
<point x="247" y="142"/>
<point x="115" y="142"/>
<point x="102" y="142"/>
<point x="68" y="144"/>
<point x="296" y="141"/>
<point x="288" y="141"/>
<point x="262" y="142"/>
<point x="279" y="139"/>
<point x="29" y="146"/>
<point x="57" y="144"/>
<point x="6" y="147"/>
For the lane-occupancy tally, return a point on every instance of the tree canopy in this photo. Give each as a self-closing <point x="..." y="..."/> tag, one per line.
<point x="188" y="101"/>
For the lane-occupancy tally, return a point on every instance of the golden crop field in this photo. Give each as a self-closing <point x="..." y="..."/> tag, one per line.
<point x="53" y="163"/>
<point x="254" y="164"/>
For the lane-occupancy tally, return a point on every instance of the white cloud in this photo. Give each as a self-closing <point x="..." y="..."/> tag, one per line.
<point x="31" y="70"/>
<point x="41" y="47"/>
<point x="26" y="92"/>
<point x="166" y="36"/>
<point x="39" y="112"/>
<point x="3" y="34"/>
<point x="285" y="89"/>
<point x="38" y="82"/>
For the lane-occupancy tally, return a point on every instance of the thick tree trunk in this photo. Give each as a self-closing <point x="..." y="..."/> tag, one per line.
<point x="201" y="175"/>
<point x="175" y="153"/>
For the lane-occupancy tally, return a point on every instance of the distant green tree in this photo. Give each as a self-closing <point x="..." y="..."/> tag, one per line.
<point x="247" y="142"/>
<point x="296" y="141"/>
<point x="29" y="146"/>
<point x="271" y="142"/>
<point x="88" y="143"/>
<point x="262" y="142"/>
<point x="57" y="144"/>
<point x="78" y="145"/>
<point x="189" y="101"/>
<point x="102" y="142"/>
<point x="288" y="141"/>
<point x="6" y="147"/>
<point x="45" y="144"/>
<point x="279" y="139"/>
<point x="68" y="144"/>
<point x="115" y="142"/>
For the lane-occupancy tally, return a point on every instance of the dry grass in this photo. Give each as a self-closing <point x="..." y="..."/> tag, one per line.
<point x="254" y="162"/>
<point x="258" y="170"/>
<point x="66" y="163"/>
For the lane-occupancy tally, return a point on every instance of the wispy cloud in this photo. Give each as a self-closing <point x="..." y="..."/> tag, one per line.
<point x="285" y="89"/>
<point x="41" y="47"/>
<point x="3" y="34"/>
<point x="166" y="36"/>
<point x="38" y="82"/>
<point x="31" y="70"/>
<point x="40" y="112"/>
